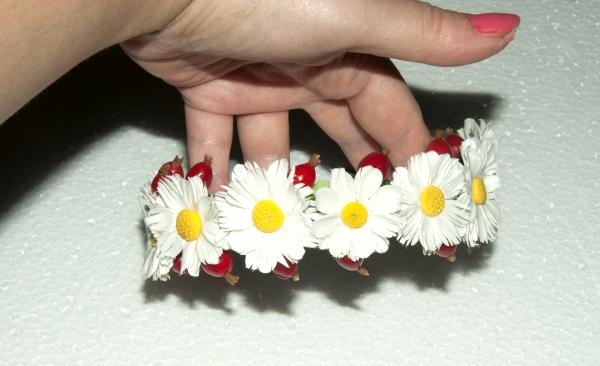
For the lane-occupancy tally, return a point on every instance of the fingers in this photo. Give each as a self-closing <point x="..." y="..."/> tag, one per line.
<point x="378" y="100"/>
<point x="255" y="88"/>
<point x="264" y="137"/>
<point x="210" y="134"/>
<point x="416" y="31"/>
<point x="386" y="109"/>
<point x="336" y="120"/>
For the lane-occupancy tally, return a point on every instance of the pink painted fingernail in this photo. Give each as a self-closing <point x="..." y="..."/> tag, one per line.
<point x="494" y="24"/>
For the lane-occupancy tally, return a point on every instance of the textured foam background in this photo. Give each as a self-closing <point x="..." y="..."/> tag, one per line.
<point x="71" y="239"/>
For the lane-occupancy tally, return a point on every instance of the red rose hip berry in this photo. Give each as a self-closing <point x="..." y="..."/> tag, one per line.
<point x="448" y="252"/>
<point x="177" y="265"/>
<point x="350" y="265"/>
<point x="305" y="173"/>
<point x="378" y="160"/>
<point x="286" y="273"/>
<point x="203" y="170"/>
<point x="222" y="269"/>
<point x="440" y="146"/>
<point x="454" y="141"/>
<point x="168" y="168"/>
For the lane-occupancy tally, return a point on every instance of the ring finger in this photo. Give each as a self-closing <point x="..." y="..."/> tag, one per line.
<point x="264" y="137"/>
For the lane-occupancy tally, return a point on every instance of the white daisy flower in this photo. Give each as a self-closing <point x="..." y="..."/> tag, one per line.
<point x="184" y="220"/>
<point x="356" y="216"/>
<point x="482" y="183"/>
<point x="265" y="217"/>
<point x="434" y="210"/>
<point x="156" y="264"/>
<point x="480" y="133"/>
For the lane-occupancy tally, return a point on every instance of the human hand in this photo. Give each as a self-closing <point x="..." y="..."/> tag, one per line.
<point x="257" y="60"/>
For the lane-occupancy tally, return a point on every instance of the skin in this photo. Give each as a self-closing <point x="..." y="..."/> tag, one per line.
<point x="254" y="60"/>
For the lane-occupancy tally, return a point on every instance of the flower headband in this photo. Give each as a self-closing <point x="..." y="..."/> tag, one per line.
<point x="444" y="197"/>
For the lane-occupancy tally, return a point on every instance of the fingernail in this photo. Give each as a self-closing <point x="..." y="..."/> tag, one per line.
<point x="494" y="24"/>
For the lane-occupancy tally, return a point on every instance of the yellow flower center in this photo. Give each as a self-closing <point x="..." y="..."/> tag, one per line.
<point x="478" y="193"/>
<point x="188" y="224"/>
<point x="354" y="215"/>
<point x="432" y="201"/>
<point x="267" y="216"/>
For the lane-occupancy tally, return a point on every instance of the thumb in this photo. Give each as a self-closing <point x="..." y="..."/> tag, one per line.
<point x="416" y="31"/>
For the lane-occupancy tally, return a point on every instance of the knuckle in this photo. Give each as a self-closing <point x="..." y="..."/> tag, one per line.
<point x="442" y="40"/>
<point x="433" y="23"/>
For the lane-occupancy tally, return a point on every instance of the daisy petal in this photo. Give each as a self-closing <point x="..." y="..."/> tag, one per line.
<point x="150" y="264"/>
<point x="326" y="226"/>
<point x="328" y="201"/>
<point x="240" y="241"/>
<point x="386" y="200"/>
<point x="338" y="242"/>
<point x="343" y="183"/>
<point x="367" y="181"/>
<point x="296" y="228"/>
<point x="207" y="252"/>
<point x="400" y="175"/>
<point x="235" y="219"/>
<point x="385" y="226"/>
<point x="293" y="248"/>
<point x="362" y="244"/>
<point x="189" y="260"/>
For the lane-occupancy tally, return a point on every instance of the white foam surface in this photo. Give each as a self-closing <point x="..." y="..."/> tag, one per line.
<point x="72" y="245"/>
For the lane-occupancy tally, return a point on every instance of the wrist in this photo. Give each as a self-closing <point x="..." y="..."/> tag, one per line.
<point x="42" y="42"/>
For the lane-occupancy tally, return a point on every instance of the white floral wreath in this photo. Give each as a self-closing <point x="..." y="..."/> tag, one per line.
<point x="445" y="196"/>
